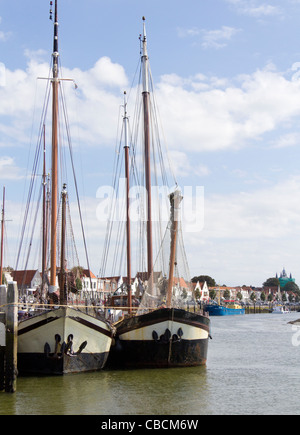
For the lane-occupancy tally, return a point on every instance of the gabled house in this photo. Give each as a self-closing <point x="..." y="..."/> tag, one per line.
<point x="202" y="288"/>
<point x="27" y="279"/>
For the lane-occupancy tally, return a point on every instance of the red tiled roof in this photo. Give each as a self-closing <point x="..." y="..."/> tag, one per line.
<point x="88" y="273"/>
<point x="23" y="277"/>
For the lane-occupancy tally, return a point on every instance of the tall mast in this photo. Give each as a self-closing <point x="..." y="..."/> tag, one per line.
<point x="146" y="106"/>
<point x="175" y="200"/>
<point x="126" y="150"/>
<point x="63" y="294"/>
<point x="55" y="85"/>
<point x="2" y="236"/>
<point x="44" y="242"/>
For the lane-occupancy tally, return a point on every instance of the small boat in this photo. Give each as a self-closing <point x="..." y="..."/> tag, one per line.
<point x="163" y="332"/>
<point x="230" y="309"/>
<point x="61" y="338"/>
<point x="279" y="309"/>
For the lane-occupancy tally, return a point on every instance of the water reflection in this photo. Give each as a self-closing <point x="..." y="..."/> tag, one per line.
<point x="252" y="368"/>
<point x="132" y="392"/>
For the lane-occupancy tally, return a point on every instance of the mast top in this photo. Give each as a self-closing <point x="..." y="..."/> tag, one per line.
<point x="145" y="59"/>
<point x="55" y="53"/>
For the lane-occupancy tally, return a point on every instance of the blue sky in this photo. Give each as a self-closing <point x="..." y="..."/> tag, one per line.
<point x="227" y="78"/>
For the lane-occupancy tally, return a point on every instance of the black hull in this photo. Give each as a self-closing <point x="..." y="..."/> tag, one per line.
<point x="43" y="365"/>
<point x="159" y="342"/>
<point x="63" y="341"/>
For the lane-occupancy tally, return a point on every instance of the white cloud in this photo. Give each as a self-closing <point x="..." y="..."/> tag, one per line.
<point x="9" y="170"/>
<point x="4" y="36"/>
<point x="218" y="38"/>
<point x="246" y="236"/>
<point x="287" y="140"/>
<point x="200" y="113"/>
<point x="255" y="8"/>
<point x="213" y="119"/>
<point x="94" y="107"/>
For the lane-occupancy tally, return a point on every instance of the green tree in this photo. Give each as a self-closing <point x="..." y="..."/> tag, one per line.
<point x="263" y="296"/>
<point x="253" y="297"/>
<point x="239" y="296"/>
<point x="283" y="297"/>
<point x="226" y="294"/>
<point x="212" y="294"/>
<point x="291" y="297"/>
<point x="270" y="297"/>
<point x="271" y="282"/>
<point x="197" y="293"/>
<point x="205" y="278"/>
<point x="292" y="287"/>
<point x="78" y="283"/>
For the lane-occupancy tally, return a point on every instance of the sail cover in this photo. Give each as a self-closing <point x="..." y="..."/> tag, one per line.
<point x="155" y="288"/>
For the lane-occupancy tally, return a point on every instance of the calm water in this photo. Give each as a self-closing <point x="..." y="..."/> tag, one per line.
<point x="253" y="368"/>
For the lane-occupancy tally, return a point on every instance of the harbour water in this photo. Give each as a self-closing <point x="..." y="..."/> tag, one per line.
<point x="253" y="368"/>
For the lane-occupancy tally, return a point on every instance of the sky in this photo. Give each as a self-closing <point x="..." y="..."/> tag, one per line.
<point x="227" y="80"/>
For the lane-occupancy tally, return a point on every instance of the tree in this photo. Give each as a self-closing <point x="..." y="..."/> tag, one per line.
<point x="78" y="283"/>
<point x="263" y="296"/>
<point x="226" y="294"/>
<point x="77" y="271"/>
<point x="253" y="297"/>
<point x="291" y="297"/>
<point x="212" y="294"/>
<point x="197" y="293"/>
<point x="283" y="297"/>
<point x="270" y="297"/>
<point x="271" y="282"/>
<point x="292" y="287"/>
<point x="205" y="278"/>
<point x="239" y="296"/>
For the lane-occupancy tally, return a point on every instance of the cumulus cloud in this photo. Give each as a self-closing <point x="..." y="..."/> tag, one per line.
<point x="200" y="113"/>
<point x="231" y="116"/>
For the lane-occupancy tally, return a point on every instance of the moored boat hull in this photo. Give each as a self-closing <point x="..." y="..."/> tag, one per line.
<point x="161" y="339"/>
<point x="218" y="310"/>
<point x="62" y="341"/>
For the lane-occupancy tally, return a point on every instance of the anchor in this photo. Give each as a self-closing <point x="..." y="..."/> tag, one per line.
<point x="167" y="336"/>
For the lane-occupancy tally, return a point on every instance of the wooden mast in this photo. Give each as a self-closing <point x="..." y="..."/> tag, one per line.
<point x="146" y="106"/>
<point x="2" y="236"/>
<point x="62" y="287"/>
<point x="175" y="199"/>
<point x="127" y="175"/>
<point x="44" y="242"/>
<point x="55" y="85"/>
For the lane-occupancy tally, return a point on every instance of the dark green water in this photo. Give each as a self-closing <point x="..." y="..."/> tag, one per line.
<point x="253" y="368"/>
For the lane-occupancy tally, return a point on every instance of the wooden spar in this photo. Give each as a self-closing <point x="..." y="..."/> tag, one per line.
<point x="55" y="85"/>
<point x="175" y="199"/>
<point x="62" y="289"/>
<point x="127" y="174"/>
<point x="146" y="105"/>
<point x="2" y="237"/>
<point x="44" y="241"/>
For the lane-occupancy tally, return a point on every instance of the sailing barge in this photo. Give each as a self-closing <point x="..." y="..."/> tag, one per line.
<point x="163" y="332"/>
<point x="62" y="339"/>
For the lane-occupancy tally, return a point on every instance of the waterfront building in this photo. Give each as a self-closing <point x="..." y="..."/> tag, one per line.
<point x="28" y="280"/>
<point x="284" y="279"/>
